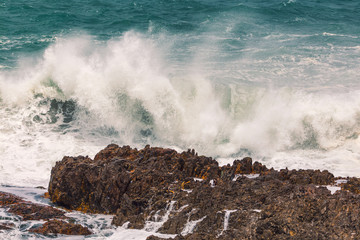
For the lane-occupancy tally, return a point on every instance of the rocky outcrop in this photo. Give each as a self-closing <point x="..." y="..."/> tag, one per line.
<point x="6" y="226"/>
<point x="352" y="185"/>
<point x="31" y="211"/>
<point x="160" y="190"/>
<point x="125" y="177"/>
<point x="28" y="210"/>
<point x="55" y="227"/>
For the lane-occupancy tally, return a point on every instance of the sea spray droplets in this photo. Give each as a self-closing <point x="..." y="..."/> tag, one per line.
<point x="125" y="93"/>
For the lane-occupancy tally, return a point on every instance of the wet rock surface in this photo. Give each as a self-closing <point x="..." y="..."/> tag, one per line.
<point x="7" y="199"/>
<point x="7" y="226"/>
<point x="31" y="211"/>
<point x="164" y="191"/>
<point x="28" y="210"/>
<point x="352" y="185"/>
<point x="54" y="227"/>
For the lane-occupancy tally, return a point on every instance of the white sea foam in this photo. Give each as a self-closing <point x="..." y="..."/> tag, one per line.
<point x="190" y="226"/>
<point x="333" y="189"/>
<point x="340" y="181"/>
<point x="124" y="92"/>
<point x="154" y="226"/>
<point x="245" y="175"/>
<point x="198" y="179"/>
<point x="132" y="234"/>
<point x="226" y="221"/>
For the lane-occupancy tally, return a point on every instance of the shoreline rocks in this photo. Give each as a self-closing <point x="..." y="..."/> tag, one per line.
<point x="55" y="219"/>
<point x="54" y="227"/>
<point x="28" y="210"/>
<point x="160" y="190"/>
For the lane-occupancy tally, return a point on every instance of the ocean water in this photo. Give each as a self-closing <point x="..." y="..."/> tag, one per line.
<point x="275" y="80"/>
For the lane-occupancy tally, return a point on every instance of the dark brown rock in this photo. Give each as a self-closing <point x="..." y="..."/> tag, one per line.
<point x="7" y="226"/>
<point x="352" y="185"/>
<point x="61" y="227"/>
<point x="7" y="199"/>
<point x="99" y="186"/>
<point x="28" y="210"/>
<point x="243" y="166"/>
<point x="196" y="199"/>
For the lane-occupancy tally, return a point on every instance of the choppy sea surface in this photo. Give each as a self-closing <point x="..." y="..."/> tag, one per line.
<point x="275" y="80"/>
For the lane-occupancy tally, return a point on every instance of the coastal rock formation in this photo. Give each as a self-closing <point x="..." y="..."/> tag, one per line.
<point x="7" y="226"/>
<point x="160" y="190"/>
<point x="352" y="185"/>
<point x="31" y="211"/>
<point x="61" y="227"/>
<point x="28" y="210"/>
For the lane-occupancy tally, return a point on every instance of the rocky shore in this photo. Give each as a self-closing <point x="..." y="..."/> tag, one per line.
<point x="54" y="220"/>
<point x="191" y="197"/>
<point x="163" y="191"/>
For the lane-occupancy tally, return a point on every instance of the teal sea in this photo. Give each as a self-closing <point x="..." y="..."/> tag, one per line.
<point x="276" y="80"/>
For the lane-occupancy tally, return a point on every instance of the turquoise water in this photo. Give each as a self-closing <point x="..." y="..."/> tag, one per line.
<point x="281" y="32"/>
<point x="276" y="80"/>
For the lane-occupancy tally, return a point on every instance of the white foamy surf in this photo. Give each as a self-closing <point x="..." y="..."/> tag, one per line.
<point x="81" y="95"/>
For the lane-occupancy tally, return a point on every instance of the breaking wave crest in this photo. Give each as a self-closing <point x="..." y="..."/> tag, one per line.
<point x="81" y="95"/>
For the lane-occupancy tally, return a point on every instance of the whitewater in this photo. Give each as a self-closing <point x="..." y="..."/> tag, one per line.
<point x="79" y="96"/>
<point x="274" y="80"/>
